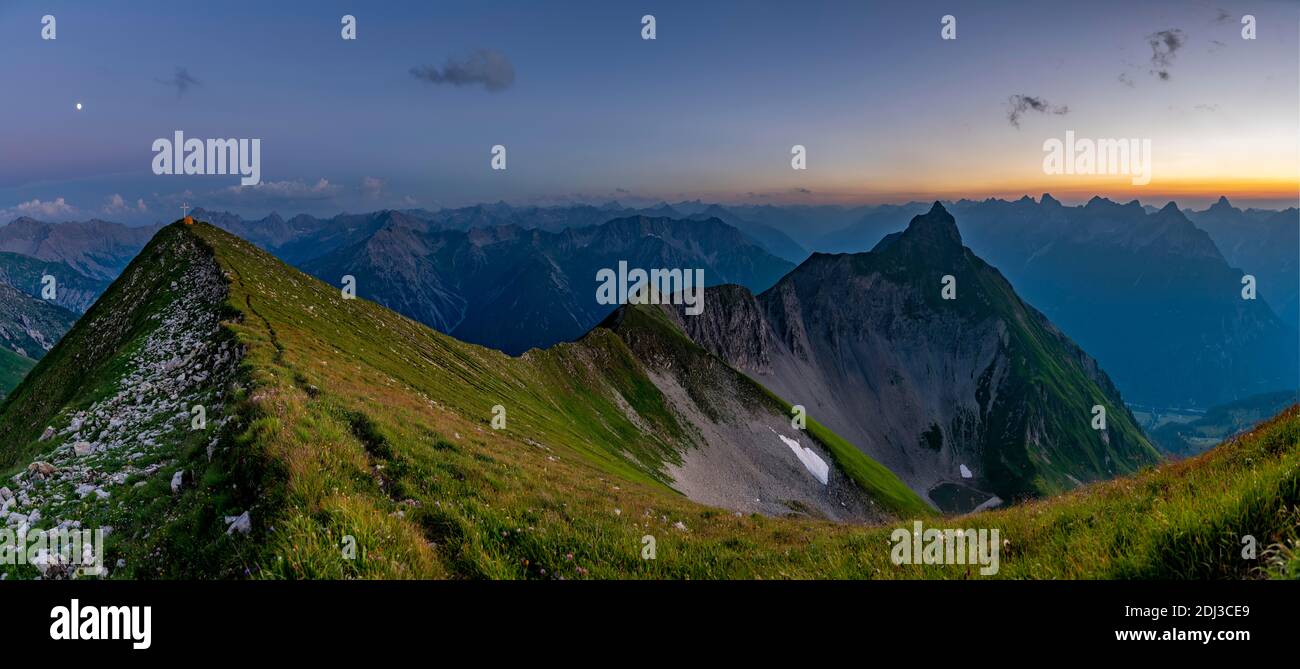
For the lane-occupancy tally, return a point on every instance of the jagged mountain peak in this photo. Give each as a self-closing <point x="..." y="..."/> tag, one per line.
<point x="935" y="231"/>
<point x="857" y="337"/>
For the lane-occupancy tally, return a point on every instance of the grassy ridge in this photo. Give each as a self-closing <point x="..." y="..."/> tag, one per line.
<point x="88" y="360"/>
<point x="158" y="533"/>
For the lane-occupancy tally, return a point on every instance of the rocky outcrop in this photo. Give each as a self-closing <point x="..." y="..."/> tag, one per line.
<point x="134" y="432"/>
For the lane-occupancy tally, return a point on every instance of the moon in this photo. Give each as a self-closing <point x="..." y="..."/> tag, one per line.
<point x="78" y="106"/>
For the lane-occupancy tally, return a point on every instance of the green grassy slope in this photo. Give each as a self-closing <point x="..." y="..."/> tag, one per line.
<point x="13" y="368"/>
<point x="351" y="424"/>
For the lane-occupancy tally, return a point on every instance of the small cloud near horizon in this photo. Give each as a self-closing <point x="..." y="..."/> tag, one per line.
<point x="36" y="208"/>
<point x="118" y="205"/>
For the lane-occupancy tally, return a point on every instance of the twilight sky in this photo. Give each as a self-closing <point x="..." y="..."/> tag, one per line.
<point x="888" y="111"/>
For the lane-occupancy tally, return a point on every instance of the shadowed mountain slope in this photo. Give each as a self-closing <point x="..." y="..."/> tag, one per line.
<point x="966" y="399"/>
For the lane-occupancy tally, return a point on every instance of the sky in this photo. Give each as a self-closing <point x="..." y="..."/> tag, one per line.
<point x="407" y="114"/>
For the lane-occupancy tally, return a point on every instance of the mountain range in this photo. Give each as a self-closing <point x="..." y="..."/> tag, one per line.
<point x="333" y="420"/>
<point x="1146" y="292"/>
<point x="95" y="249"/>
<point x="461" y="270"/>
<point x="514" y="289"/>
<point x="1187" y="340"/>
<point x="275" y="232"/>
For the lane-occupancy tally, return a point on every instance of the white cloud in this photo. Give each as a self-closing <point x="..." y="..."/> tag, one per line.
<point x="117" y="205"/>
<point x="372" y="187"/>
<point x="55" y="209"/>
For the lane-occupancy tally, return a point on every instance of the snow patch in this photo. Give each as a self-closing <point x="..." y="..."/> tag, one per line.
<point x="811" y="461"/>
<point x="965" y="472"/>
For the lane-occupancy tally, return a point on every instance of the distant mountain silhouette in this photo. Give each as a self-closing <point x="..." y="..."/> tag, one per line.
<point x="514" y="289"/>
<point x="1148" y="294"/>
<point x="1263" y="243"/>
<point x="97" y="249"/>
<point x="1143" y="289"/>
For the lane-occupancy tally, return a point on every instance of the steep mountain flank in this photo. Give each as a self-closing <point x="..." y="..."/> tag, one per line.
<point x="28" y="326"/>
<point x="102" y="432"/>
<point x="1261" y="243"/>
<point x="72" y="290"/>
<point x="966" y="399"/>
<point x="744" y="439"/>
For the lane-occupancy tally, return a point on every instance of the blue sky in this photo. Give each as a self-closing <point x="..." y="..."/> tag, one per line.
<point x="887" y="110"/>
